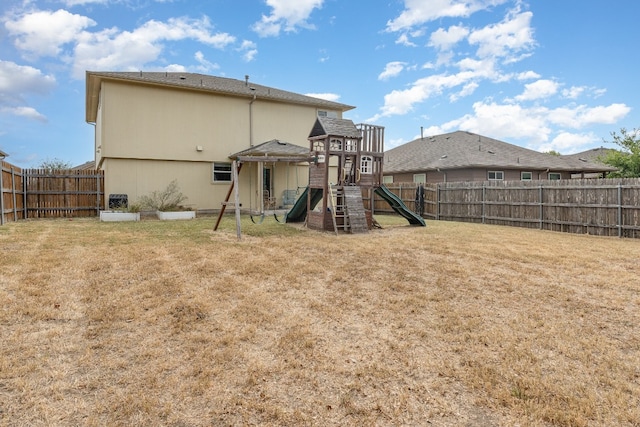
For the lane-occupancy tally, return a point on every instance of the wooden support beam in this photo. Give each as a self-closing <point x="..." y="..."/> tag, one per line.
<point x="226" y="200"/>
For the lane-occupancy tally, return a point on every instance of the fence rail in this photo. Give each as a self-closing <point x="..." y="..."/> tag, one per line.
<point x="606" y="207"/>
<point x="40" y="193"/>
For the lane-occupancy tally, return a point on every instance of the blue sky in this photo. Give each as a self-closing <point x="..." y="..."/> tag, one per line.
<point x="546" y="75"/>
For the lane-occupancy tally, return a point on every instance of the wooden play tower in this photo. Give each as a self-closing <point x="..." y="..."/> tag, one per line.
<point x="347" y="170"/>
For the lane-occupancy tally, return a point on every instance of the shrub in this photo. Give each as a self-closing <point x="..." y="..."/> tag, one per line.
<point x="169" y="199"/>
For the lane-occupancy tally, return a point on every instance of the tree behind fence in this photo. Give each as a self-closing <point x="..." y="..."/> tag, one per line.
<point x="605" y="207"/>
<point x="41" y="193"/>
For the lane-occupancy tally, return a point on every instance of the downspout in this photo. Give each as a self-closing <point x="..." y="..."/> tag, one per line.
<point x="251" y="119"/>
<point x="540" y="173"/>
<point x="443" y="173"/>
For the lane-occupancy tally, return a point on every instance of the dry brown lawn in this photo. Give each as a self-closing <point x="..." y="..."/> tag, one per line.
<point x="170" y="323"/>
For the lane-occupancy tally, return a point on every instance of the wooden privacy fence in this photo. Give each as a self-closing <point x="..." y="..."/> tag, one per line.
<point x="40" y="193"/>
<point x="605" y="207"/>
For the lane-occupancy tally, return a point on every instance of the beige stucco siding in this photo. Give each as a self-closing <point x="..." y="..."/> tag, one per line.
<point x="169" y="124"/>
<point x="149" y="136"/>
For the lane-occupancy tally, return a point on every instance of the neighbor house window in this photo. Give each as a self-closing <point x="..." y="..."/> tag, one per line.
<point x="221" y="172"/>
<point x="387" y="179"/>
<point x="366" y="165"/>
<point x="420" y="178"/>
<point x="526" y="176"/>
<point x="496" y="175"/>
<point x="554" y="176"/>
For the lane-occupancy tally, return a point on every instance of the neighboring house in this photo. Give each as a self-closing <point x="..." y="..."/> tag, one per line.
<point x="154" y="127"/>
<point x="465" y="156"/>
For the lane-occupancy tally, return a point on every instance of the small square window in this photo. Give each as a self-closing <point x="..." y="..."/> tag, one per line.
<point x="387" y="179"/>
<point x="554" y="176"/>
<point x="526" y="176"/>
<point x="420" y="178"/>
<point x="496" y="175"/>
<point x="221" y="172"/>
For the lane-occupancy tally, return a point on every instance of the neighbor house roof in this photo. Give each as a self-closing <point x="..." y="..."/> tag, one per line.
<point x="325" y="126"/>
<point x="200" y="82"/>
<point x="595" y="155"/>
<point x="3" y="154"/>
<point x="460" y="150"/>
<point x="274" y="148"/>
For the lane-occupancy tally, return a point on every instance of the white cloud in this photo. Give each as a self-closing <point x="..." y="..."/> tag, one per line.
<point x="399" y="102"/>
<point x="287" y="15"/>
<point x="569" y="143"/>
<point x="537" y="90"/>
<point x="326" y="96"/>
<point x="527" y="75"/>
<point x="505" y="121"/>
<point x="534" y="124"/>
<point x="112" y="49"/>
<point x="403" y="39"/>
<point x="582" y="115"/>
<point x="71" y="3"/>
<point x="43" y="33"/>
<point x="467" y="90"/>
<point x="445" y="39"/>
<point x="205" y="66"/>
<point x="17" y="79"/>
<point x="418" y="12"/>
<point x="392" y="69"/>
<point x="26" y="112"/>
<point x="513" y="34"/>
<point x="249" y="50"/>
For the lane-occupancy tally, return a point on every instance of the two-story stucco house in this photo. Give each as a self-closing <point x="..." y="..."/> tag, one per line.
<point x="155" y="127"/>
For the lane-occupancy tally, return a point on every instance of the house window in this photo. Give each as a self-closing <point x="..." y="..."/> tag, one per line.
<point x="526" y="176"/>
<point x="554" y="176"/>
<point x="496" y="175"/>
<point x="420" y="178"/>
<point x="329" y="114"/>
<point x="335" y="145"/>
<point x="366" y="165"/>
<point x="221" y="172"/>
<point x="387" y="179"/>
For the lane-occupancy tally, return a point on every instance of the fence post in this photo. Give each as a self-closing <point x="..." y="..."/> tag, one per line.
<point x="97" y="193"/>
<point x="13" y="193"/>
<point x="484" y="195"/>
<point x="1" y="193"/>
<point x="25" y="211"/>
<point x="541" y="207"/>
<point x="619" y="209"/>
<point x="437" y="201"/>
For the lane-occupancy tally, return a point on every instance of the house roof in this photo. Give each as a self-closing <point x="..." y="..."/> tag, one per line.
<point x="3" y="154"/>
<point x="199" y="82"/>
<point x="594" y="155"/>
<point x="460" y="150"/>
<point x="274" y="148"/>
<point x="325" y="126"/>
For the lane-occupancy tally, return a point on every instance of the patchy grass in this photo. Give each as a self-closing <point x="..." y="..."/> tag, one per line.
<point x="170" y="323"/>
